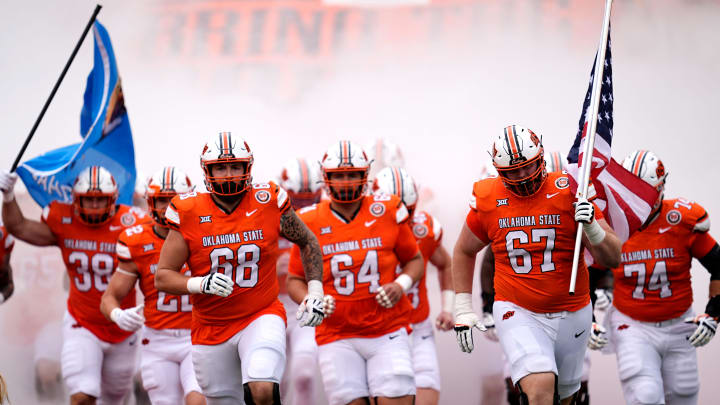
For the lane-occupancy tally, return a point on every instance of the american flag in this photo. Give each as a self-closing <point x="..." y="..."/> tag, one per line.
<point x="625" y="199"/>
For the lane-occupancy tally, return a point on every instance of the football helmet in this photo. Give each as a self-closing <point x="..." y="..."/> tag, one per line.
<point x="95" y="181"/>
<point x="345" y="157"/>
<point x="648" y="167"/>
<point x="487" y="170"/>
<point x="514" y="153"/>
<point x="396" y="181"/>
<point x="167" y="183"/>
<point x="226" y="148"/>
<point x="301" y="179"/>
<point x="555" y="162"/>
<point x="383" y="153"/>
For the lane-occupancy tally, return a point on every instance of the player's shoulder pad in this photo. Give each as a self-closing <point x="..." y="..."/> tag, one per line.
<point x="56" y="209"/>
<point x="693" y="215"/>
<point x="134" y="235"/>
<point x="130" y="215"/>
<point x="309" y="213"/>
<point x="186" y="201"/>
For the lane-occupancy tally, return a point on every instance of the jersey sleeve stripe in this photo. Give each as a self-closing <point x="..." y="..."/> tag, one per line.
<point x="172" y="215"/>
<point x="122" y="251"/>
<point x="401" y="214"/>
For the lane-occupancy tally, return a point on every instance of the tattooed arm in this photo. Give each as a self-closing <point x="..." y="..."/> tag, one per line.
<point x="295" y="230"/>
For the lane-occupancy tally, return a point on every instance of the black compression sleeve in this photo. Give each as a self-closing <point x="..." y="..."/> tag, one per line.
<point x="711" y="262"/>
<point x="713" y="307"/>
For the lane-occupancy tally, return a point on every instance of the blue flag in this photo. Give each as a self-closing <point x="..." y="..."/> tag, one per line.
<point x="105" y="129"/>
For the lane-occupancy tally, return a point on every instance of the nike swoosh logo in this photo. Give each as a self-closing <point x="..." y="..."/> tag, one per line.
<point x="578" y="334"/>
<point x="393" y="336"/>
<point x="115" y="227"/>
<point x="247" y="214"/>
<point x="551" y="195"/>
<point x="369" y="223"/>
<point x="425" y="337"/>
<point x="663" y="230"/>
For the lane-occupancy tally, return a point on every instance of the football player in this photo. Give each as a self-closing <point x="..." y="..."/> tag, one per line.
<point x="428" y="233"/>
<point x="527" y="217"/>
<point x="166" y="365"/>
<point x="98" y="357"/>
<point x="229" y="239"/>
<point x="363" y="346"/>
<point x="7" y="242"/>
<point x="554" y="162"/>
<point x="303" y="183"/>
<point x="651" y="323"/>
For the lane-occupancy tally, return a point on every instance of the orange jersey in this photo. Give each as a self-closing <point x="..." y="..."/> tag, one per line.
<point x="653" y="282"/>
<point x="90" y="259"/>
<point x="533" y="239"/>
<point x="428" y="233"/>
<point x="359" y="257"/>
<point x="141" y="245"/>
<point x="284" y="246"/>
<point x="242" y="244"/>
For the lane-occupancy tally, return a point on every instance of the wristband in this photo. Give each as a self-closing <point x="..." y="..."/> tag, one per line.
<point x="463" y="303"/>
<point x="194" y="285"/>
<point x="594" y="232"/>
<point x="8" y="196"/>
<point x="114" y="314"/>
<point x="448" y="300"/>
<point x="315" y="288"/>
<point x="405" y="281"/>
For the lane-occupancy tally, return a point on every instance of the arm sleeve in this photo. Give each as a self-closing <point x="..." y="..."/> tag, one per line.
<point x="295" y="267"/>
<point x="405" y="246"/>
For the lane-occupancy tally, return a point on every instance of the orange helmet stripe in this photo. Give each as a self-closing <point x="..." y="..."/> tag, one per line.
<point x="167" y="178"/>
<point x="556" y="160"/>
<point x="345" y="157"/>
<point x="398" y="182"/>
<point x="94" y="181"/>
<point x="638" y="162"/>
<point x="510" y="134"/>
<point x="304" y="175"/>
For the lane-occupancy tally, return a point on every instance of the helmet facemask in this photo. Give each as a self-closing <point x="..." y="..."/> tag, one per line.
<point x="528" y="185"/>
<point x="304" y="198"/>
<point x="158" y="214"/>
<point x="228" y="188"/>
<point x="345" y="190"/>
<point x="94" y="216"/>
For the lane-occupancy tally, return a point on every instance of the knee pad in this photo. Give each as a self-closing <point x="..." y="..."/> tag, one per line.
<point x="263" y="363"/>
<point x="646" y="391"/>
<point x="249" y="398"/>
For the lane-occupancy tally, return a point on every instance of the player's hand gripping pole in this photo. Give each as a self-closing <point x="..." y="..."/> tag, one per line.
<point x="55" y="88"/>
<point x="590" y="136"/>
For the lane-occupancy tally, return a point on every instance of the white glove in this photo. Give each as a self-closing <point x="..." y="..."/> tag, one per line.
<point x="585" y="214"/>
<point x="214" y="283"/>
<point x="489" y="324"/>
<point x="465" y="320"/>
<point x="130" y="319"/>
<point x="604" y="299"/>
<point x="597" y="337"/>
<point x="7" y="184"/>
<point x="312" y="309"/>
<point x="705" y="330"/>
<point x="329" y="302"/>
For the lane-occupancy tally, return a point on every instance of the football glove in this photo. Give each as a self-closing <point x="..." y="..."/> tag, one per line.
<point x="604" y="299"/>
<point x="585" y="214"/>
<point x="130" y="319"/>
<point x="7" y="184"/>
<point x="465" y="320"/>
<point x="312" y="309"/>
<point x="217" y="284"/>
<point x="489" y="324"/>
<point x="706" y="326"/>
<point x="598" y="338"/>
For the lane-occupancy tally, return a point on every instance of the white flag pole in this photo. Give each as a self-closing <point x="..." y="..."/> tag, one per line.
<point x="584" y="170"/>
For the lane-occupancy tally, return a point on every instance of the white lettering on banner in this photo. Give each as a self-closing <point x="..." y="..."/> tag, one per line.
<point x="52" y="186"/>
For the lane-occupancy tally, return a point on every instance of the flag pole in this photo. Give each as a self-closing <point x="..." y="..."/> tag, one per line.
<point x="590" y="135"/>
<point x="55" y="88"/>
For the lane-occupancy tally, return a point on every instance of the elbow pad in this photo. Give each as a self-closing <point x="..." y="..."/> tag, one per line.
<point x="711" y="262"/>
